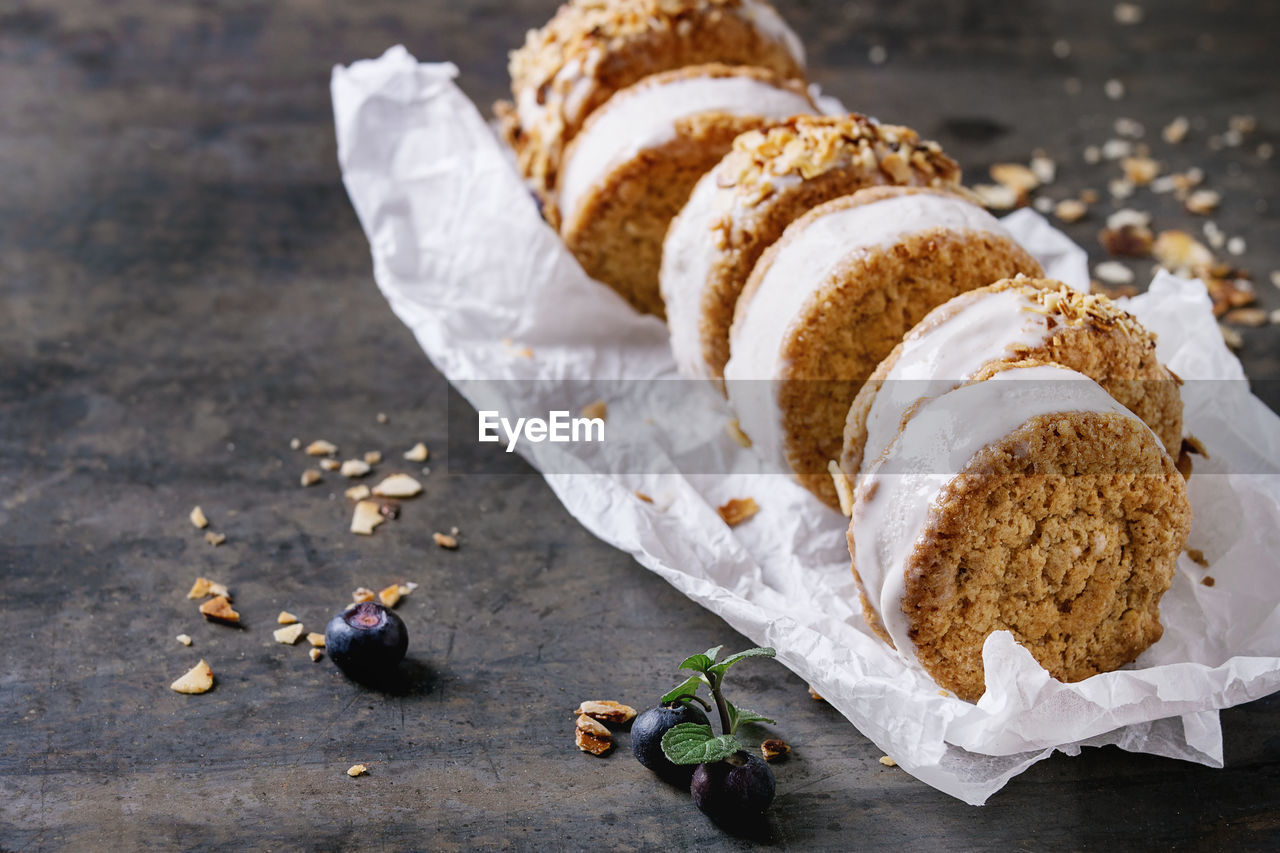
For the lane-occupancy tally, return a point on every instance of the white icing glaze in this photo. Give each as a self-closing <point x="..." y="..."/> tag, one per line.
<point x="802" y="266"/>
<point x="687" y="256"/>
<point x="892" y="506"/>
<point x="938" y="359"/>
<point x="645" y="116"/>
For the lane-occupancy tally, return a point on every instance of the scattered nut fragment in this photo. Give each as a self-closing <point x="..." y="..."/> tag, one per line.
<point x="1208" y="580"/>
<point x="373" y="457"/>
<point x="1092" y="154"/>
<point x="320" y="447"/>
<point x="1197" y="556"/>
<point x="1089" y="196"/>
<point x="1232" y="338"/>
<point x="286" y="618"/>
<point x="1179" y="251"/>
<point x="1228" y="293"/>
<point x="198" y="679"/>
<point x="642" y="496"/>
<point x="1176" y="131"/>
<point x="1243" y="124"/>
<point x="185" y="639"/>
<point x="365" y="517"/>
<point x="774" y="748"/>
<point x="738" y="510"/>
<point x="289" y="634"/>
<point x="1140" y="171"/>
<point x="361" y="594"/>
<point x="316" y="654"/>
<point x="330" y="464"/>
<point x="353" y="468"/>
<point x="1203" y="202"/>
<point x="1062" y="48"/>
<point x="1251" y="317"/>
<point x="316" y="640"/>
<point x="1128" y="13"/>
<point x="1071" y="210"/>
<point x="606" y="710"/>
<point x="381" y="417"/>
<point x="844" y="489"/>
<point x="1114" y="89"/>
<point x="417" y="453"/>
<point x="398" y="486"/>
<point x="1117" y="149"/>
<point x="218" y="609"/>
<point x="1015" y="176"/>
<point x="1217" y="239"/>
<point x="1113" y="272"/>
<point x="1120" y="188"/>
<point x="1043" y="204"/>
<point x="1266" y="151"/>
<point x="1127" y="127"/>
<point x="445" y="541"/>
<point x="1236" y="246"/>
<point x="996" y="196"/>
<point x="1127" y="241"/>
<point x="591" y="736"/>
<point x="204" y="587"/>
<point x="735" y="432"/>
<point x="357" y="770"/>
<point x="877" y="54"/>
<point x="815" y="695"/>
<point x="887" y="761"/>
<point x="310" y="477"/>
<point x="295" y="443"/>
<point x="198" y="519"/>
<point x="390" y="596"/>
<point x="595" y="409"/>
<point x="214" y="539"/>
<point x="358" y="493"/>
<point x="1275" y="278"/>
<point x="1043" y="167"/>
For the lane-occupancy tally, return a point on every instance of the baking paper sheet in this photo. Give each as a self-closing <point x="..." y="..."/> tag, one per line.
<point x="464" y="259"/>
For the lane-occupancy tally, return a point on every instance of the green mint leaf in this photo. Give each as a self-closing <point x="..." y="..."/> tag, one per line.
<point x="723" y="666"/>
<point x="745" y="716"/>
<point x="702" y="662"/>
<point x="689" y="687"/>
<point x="693" y="743"/>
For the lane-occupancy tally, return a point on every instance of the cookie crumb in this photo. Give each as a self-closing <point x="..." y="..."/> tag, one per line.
<point x="417" y="453"/>
<point x="198" y="679"/>
<point x="774" y="748"/>
<point x="320" y="447"/>
<point x="357" y="770"/>
<point x="219" y="609"/>
<point x="310" y="477"/>
<point x="595" y="409"/>
<point x="358" y="493"/>
<point x="445" y="541"/>
<point x="214" y="539"/>
<point x="185" y="639"/>
<point x="735" y="432"/>
<point x="285" y="618"/>
<point x="366" y="517"/>
<point x="316" y="654"/>
<point x="289" y="634"/>
<point x="887" y="761"/>
<point x="606" y="710"/>
<point x="398" y="486"/>
<point x="738" y="510"/>
<point x="198" y="519"/>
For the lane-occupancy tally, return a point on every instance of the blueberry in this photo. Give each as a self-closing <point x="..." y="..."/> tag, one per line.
<point x="733" y="792"/>
<point x="646" y="737"/>
<point x="366" y="640"/>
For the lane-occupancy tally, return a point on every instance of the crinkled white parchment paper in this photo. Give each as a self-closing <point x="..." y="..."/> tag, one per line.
<point x="465" y="261"/>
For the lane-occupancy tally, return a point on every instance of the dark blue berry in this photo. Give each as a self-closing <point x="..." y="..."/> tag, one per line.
<point x="733" y="792"/>
<point x="646" y="737"/>
<point x="366" y="640"/>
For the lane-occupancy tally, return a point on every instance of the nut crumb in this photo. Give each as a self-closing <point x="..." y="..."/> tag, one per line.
<point x="417" y="453"/>
<point x="1071" y="210"/>
<point x="358" y="493"/>
<point x="1044" y="168"/>
<point x="1179" y="251"/>
<point x="1236" y="246"/>
<point x="996" y="196"/>
<point x="595" y="409"/>
<point x="735" y="432"/>
<point x="844" y="489"/>
<point x="1015" y="176"/>
<point x="366" y="517"/>
<point x="1128" y="14"/>
<point x="204" y="587"/>
<point x="1232" y="338"/>
<point x="214" y="539"/>
<point x="445" y="541"/>
<point x="1176" y="131"/>
<point x="320" y="447"/>
<point x="185" y="639"/>
<point x="310" y="477"/>
<point x="198" y="519"/>
<point x="1114" y="89"/>
<point x="591" y="736"/>
<point x="815" y="695"/>
<point x="390" y="596"/>
<point x="398" y="486"/>
<point x="289" y="634"/>
<point x="642" y="496"/>
<point x="887" y="761"/>
<point x="353" y="468"/>
<point x="1203" y="202"/>
<point x="381" y="417"/>
<point x="1251" y="317"/>
<point x="361" y="594"/>
<point x="774" y="748"/>
<point x="330" y="464"/>
<point x="1113" y="272"/>
<point x="198" y="679"/>
<point x="945" y="694"/>
<point x="295" y="443"/>
<point x="1208" y="580"/>
<point x="1197" y="557"/>
<point x="219" y="609"/>
<point x="1120" y="188"/>
<point x="1140" y="171"/>
<point x="316" y="654"/>
<point x="357" y="770"/>
<point x="285" y="618"/>
<point x="606" y="710"/>
<point x="316" y="640"/>
<point x="373" y="457"/>
<point x="738" y="510"/>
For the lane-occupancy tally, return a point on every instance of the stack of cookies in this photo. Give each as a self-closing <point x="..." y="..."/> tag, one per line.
<point x="1003" y="445"/>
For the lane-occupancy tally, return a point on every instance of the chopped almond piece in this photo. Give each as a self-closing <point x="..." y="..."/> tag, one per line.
<point x="1140" y="171"/>
<point x="1071" y="210"/>
<point x="316" y="640"/>
<point x="1015" y="176"/>
<point x="198" y="679"/>
<point x="735" y="432"/>
<point x="1232" y="338"/>
<point x="1251" y="317"/>
<point x="996" y="196"/>
<point x="417" y="453"/>
<point x="330" y="464"/>
<point x="815" y="695"/>
<point x="214" y="539"/>
<point x="382" y="417"/>
<point x="295" y="443"/>
<point x="316" y="654"/>
<point x="595" y="409"/>
<point x="355" y="468"/>
<point x="286" y="618"/>
<point x="844" y="489"/>
<point x="310" y="477"/>
<point x="199" y="589"/>
<point x="773" y="749"/>
<point x="218" y="609"/>
<point x="289" y="634"/>
<point x="592" y="737"/>
<point x="320" y="447"/>
<point x="606" y="710"/>
<point x="216" y="588"/>
<point x="365" y="518"/>
<point x="1127" y="241"/>
<point x="887" y="761"/>
<point x="373" y="457"/>
<point x="1203" y="202"/>
<point x="362" y="594"/>
<point x="642" y="496"/>
<point x="198" y="519"/>
<point x="357" y="770"/>
<point x="398" y="486"/>
<point x="1113" y="272"/>
<point x="738" y="510"/>
<point x="185" y="639"/>
<point x="1176" y="130"/>
<point x="358" y="493"/>
<point x="1179" y="251"/>
<point x="445" y="541"/>
<point x="390" y="596"/>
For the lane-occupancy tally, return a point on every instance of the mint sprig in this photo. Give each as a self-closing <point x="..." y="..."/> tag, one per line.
<point x="694" y="743"/>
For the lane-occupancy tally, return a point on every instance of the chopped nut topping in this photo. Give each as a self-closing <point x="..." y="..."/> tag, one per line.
<point x="381" y="417"/>
<point x="316" y="654"/>
<point x="417" y="453"/>
<point x="310" y="477"/>
<point x="591" y="736"/>
<point x="996" y="196"/>
<point x="1179" y="251"/>
<point x="321" y="447"/>
<point x="390" y="596"/>
<point x="773" y="749"/>
<point x="887" y="761"/>
<point x="1127" y="241"/>
<point x="373" y="457"/>
<point x="355" y="468"/>
<point x="815" y="695"/>
<point x="1043" y="167"/>
<point x="286" y="618"/>
<point x="445" y="541"/>
<point x="362" y="594"/>
<point x="289" y="634"/>
<point x="1071" y="210"/>
<point x="1016" y="176"/>
<point x="1197" y="557"/>
<point x="357" y="770"/>
<point x="316" y="640"/>
<point x="1127" y="127"/>
<point x="365" y="517"/>
<point x="398" y="486"/>
<point x="1203" y="202"/>
<point x="185" y="639"/>
<point x="735" y="432"/>
<point x="1140" y="171"/>
<point x="642" y="496"/>
<point x="218" y="609"/>
<point x="358" y="493"/>
<point x="198" y="519"/>
<point x="214" y="539"/>
<point x="204" y="587"/>
<point x="1208" y="580"/>
<point x="1128" y="216"/>
<point x="330" y="464"/>
<point x="1114" y="89"/>
<point x="738" y="510"/>
<point x="1236" y="246"/>
<point x="1232" y="338"/>
<point x="606" y="710"/>
<point x="1176" y="130"/>
<point x="1252" y="317"/>
<point x="1128" y="13"/>
<point x="198" y="679"/>
<point x="295" y="443"/>
<point x="844" y="489"/>
<point x="596" y="409"/>
<point x="1113" y="272"/>
<point x="1117" y="149"/>
<point x="1119" y="188"/>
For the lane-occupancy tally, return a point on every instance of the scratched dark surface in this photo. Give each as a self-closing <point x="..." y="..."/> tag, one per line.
<point x="184" y="287"/>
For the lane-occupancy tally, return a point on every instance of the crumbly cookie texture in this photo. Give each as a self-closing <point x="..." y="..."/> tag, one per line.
<point x="591" y="49"/>
<point x="1064" y="533"/>
<point x="774" y="174"/>
<point x="1089" y="334"/>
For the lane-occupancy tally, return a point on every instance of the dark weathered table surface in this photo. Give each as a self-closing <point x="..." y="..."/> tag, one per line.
<point x="184" y="287"/>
